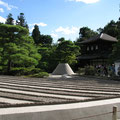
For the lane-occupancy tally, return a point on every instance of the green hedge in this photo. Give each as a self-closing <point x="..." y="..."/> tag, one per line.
<point x="81" y="71"/>
<point x="24" y="71"/>
<point x="90" y="70"/>
<point x="40" y="75"/>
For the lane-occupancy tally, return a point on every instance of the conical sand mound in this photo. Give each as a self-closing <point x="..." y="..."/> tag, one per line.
<point x="62" y="69"/>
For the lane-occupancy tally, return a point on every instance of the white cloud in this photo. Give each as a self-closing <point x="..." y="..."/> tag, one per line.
<point x="9" y="7"/>
<point x="1" y="10"/>
<point x="39" y="24"/>
<point x="42" y="24"/>
<point x="86" y="1"/>
<point x="2" y="20"/>
<point x="31" y="29"/>
<point x="67" y="30"/>
<point x="54" y="35"/>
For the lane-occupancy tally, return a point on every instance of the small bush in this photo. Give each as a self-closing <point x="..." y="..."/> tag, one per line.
<point x="17" y="71"/>
<point x="40" y="75"/>
<point x="89" y="70"/>
<point x="81" y="71"/>
<point x="24" y="71"/>
<point x="29" y="71"/>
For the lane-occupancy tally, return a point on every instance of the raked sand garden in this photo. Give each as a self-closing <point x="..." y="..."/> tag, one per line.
<point x="21" y="91"/>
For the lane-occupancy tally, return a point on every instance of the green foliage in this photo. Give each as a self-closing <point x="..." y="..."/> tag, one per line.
<point x="24" y="70"/>
<point x="9" y="19"/>
<point x="47" y="62"/>
<point x="45" y="39"/>
<point x="90" y="70"/>
<point x="61" y="39"/>
<point x="115" y="53"/>
<point x="36" y="34"/>
<point x="17" y="49"/>
<point x="100" y="30"/>
<point x="66" y="52"/>
<point x="21" y="54"/>
<point x="86" y="33"/>
<point x="40" y="75"/>
<point x="112" y="28"/>
<point x="21" y="21"/>
<point x="81" y="71"/>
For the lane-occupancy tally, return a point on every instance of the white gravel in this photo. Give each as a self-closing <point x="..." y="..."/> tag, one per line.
<point x="62" y="89"/>
<point x="13" y="101"/>
<point x="45" y="94"/>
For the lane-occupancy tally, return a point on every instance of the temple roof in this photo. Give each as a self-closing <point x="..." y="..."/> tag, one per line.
<point x="102" y="36"/>
<point x="97" y="56"/>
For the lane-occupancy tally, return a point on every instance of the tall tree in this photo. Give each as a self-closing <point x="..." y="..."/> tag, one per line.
<point x="111" y="29"/>
<point x="115" y="52"/>
<point x="66" y="52"/>
<point x="36" y="34"/>
<point x="100" y="30"/>
<point x="85" y="33"/>
<point x="21" y="20"/>
<point x="45" y="39"/>
<point x="9" y="19"/>
<point x="47" y="61"/>
<point x="17" y="48"/>
<point x="61" y="39"/>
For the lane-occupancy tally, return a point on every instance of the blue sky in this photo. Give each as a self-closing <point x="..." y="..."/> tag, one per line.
<point x="62" y="18"/>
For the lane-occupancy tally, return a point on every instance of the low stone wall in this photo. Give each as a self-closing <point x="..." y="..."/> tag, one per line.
<point x="95" y="110"/>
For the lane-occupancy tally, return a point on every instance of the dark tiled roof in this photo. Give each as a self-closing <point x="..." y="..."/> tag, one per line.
<point x="93" y="56"/>
<point x="85" y="57"/>
<point x="101" y="36"/>
<point x="117" y="60"/>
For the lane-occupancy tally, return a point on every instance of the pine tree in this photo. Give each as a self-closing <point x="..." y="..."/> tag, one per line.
<point x="21" y="21"/>
<point x="17" y="49"/>
<point x="36" y="34"/>
<point x="9" y="19"/>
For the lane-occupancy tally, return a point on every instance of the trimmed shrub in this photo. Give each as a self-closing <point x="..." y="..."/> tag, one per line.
<point x="29" y="71"/>
<point x="17" y="71"/>
<point x="24" y="71"/>
<point x="81" y="71"/>
<point x="90" y="70"/>
<point x="40" y="75"/>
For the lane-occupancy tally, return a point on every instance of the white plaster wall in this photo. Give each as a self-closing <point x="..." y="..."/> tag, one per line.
<point x="116" y="67"/>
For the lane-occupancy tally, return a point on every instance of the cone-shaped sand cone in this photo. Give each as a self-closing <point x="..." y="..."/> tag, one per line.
<point x="62" y="69"/>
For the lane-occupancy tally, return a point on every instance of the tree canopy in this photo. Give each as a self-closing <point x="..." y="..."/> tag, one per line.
<point x="9" y="19"/>
<point x="39" y="38"/>
<point x="17" y="48"/>
<point x="85" y="33"/>
<point x="36" y="34"/>
<point x="111" y="28"/>
<point x="66" y="52"/>
<point x="21" y="21"/>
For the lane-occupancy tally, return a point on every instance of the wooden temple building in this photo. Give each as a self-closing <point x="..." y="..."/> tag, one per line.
<point x="96" y="50"/>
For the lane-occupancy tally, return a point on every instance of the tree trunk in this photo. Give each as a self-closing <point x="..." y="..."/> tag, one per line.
<point x="9" y="67"/>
